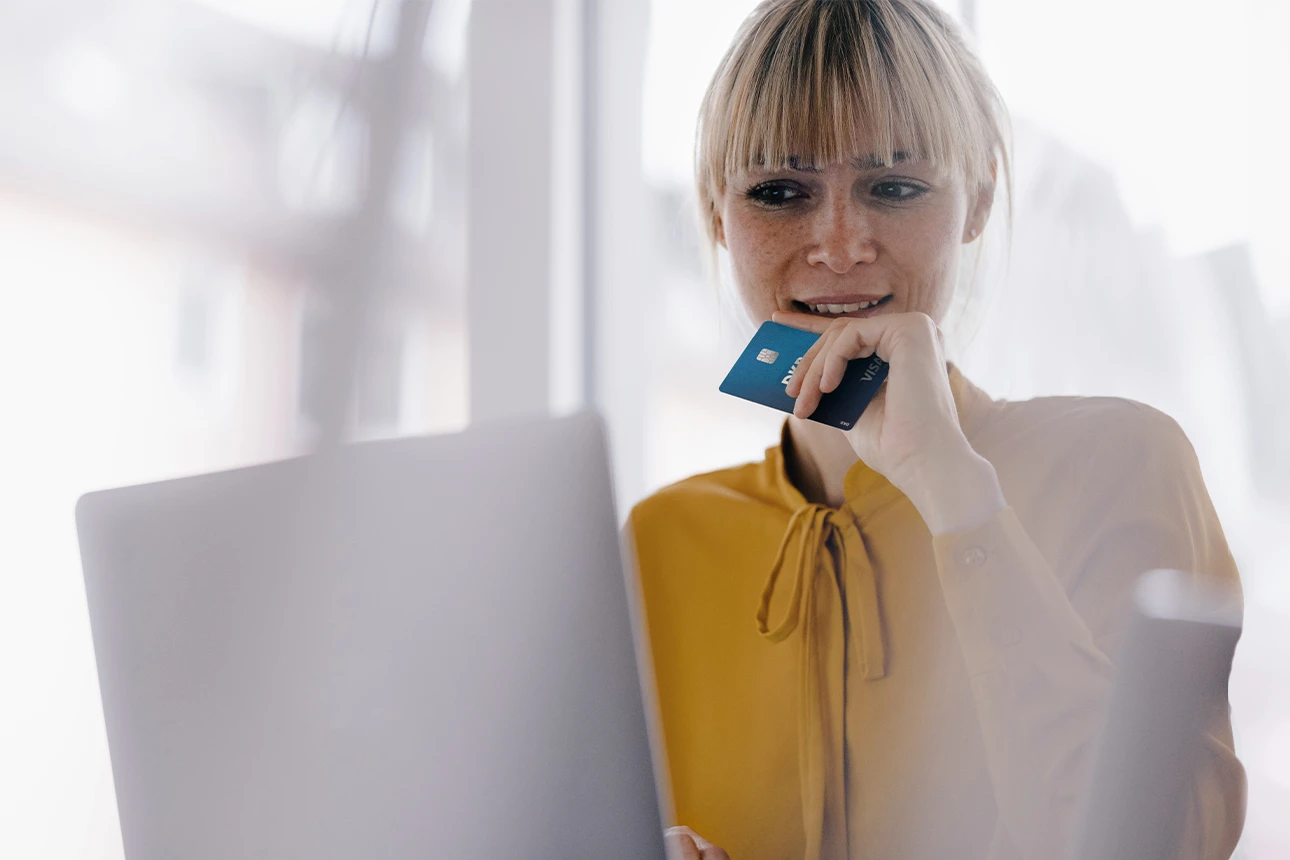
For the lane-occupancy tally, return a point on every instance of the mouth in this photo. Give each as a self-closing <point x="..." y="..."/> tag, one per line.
<point x="854" y="309"/>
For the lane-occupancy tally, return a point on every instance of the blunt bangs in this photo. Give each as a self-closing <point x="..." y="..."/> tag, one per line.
<point x="816" y="82"/>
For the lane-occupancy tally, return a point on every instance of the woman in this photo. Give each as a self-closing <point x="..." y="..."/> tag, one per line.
<point x="894" y="642"/>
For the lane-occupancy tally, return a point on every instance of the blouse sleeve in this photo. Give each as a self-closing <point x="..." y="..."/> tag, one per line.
<point x="1039" y="638"/>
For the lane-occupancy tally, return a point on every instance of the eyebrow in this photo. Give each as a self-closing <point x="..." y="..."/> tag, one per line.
<point x="867" y="162"/>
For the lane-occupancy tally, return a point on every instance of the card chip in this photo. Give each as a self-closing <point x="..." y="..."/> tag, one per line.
<point x="768" y="356"/>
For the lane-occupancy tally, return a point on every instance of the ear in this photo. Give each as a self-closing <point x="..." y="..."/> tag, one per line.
<point x="979" y="207"/>
<point x="719" y="229"/>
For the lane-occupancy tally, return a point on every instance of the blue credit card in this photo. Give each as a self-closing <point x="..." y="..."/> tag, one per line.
<point x="774" y="354"/>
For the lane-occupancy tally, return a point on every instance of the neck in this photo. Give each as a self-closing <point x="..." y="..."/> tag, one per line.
<point x="822" y="456"/>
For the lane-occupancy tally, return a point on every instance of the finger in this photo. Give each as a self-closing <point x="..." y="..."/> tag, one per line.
<point x="847" y="345"/>
<point x="795" y="383"/>
<point x="809" y="396"/>
<point x="806" y="322"/>
<point x="714" y="852"/>
<point x="680" y="844"/>
<point x="882" y="331"/>
<point x="801" y="380"/>
<point x="707" y="851"/>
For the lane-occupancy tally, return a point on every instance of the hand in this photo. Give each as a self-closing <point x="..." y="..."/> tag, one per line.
<point x="684" y="844"/>
<point x="913" y="416"/>
<point x="910" y="431"/>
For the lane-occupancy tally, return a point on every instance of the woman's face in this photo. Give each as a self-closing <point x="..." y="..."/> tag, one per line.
<point x="847" y="234"/>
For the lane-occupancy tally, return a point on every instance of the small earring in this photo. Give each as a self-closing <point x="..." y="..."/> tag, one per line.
<point x="972" y="233"/>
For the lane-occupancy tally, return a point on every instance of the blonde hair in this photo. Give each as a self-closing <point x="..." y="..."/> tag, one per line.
<point x="814" y="80"/>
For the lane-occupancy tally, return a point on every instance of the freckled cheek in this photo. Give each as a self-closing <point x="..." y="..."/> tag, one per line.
<point x="929" y="271"/>
<point x="760" y="257"/>
<point x="919" y="261"/>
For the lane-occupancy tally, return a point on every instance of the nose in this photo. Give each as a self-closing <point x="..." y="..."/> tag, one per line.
<point x="843" y="238"/>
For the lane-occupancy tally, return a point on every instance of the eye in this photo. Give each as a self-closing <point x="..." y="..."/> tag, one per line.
<point x="898" y="190"/>
<point x="775" y="195"/>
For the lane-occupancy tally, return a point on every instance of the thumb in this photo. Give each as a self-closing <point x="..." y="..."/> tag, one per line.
<point x="684" y="844"/>
<point x="680" y="844"/>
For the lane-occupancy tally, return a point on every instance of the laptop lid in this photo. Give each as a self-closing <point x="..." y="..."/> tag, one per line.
<point x="402" y="649"/>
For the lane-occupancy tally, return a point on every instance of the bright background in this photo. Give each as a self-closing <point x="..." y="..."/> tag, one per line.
<point x="175" y="176"/>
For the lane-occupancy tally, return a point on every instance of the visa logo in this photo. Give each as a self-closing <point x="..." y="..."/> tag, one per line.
<point x="870" y="372"/>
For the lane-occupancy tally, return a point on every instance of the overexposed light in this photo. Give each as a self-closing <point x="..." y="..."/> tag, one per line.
<point x="686" y="43"/>
<point x="313" y="22"/>
<point x="1274" y="761"/>
<point x="412" y="197"/>
<point x="446" y="31"/>
<point x="89" y="80"/>
<point x="320" y="153"/>
<point x="1158" y="92"/>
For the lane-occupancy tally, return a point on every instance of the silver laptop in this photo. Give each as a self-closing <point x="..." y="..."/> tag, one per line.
<point x="419" y="648"/>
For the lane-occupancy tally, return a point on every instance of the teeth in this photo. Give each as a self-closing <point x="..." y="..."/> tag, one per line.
<point x="841" y="309"/>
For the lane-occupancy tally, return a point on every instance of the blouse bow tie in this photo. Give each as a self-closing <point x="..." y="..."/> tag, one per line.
<point x="830" y="549"/>
<point x="831" y="556"/>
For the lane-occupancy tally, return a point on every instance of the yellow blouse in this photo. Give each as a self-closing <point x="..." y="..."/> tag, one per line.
<point x="837" y="682"/>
